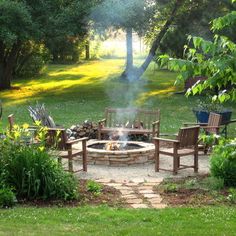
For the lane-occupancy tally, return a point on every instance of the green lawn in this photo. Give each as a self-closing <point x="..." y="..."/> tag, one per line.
<point x="109" y="221"/>
<point x="73" y="93"/>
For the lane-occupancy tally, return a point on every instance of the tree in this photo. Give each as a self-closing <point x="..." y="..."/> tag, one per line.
<point x="132" y="15"/>
<point x="175" y="20"/>
<point x="213" y="59"/>
<point x="38" y="21"/>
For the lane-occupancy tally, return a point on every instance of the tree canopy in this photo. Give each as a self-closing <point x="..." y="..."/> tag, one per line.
<point x="214" y="59"/>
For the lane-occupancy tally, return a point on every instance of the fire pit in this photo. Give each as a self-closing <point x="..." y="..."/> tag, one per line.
<point x="120" y="153"/>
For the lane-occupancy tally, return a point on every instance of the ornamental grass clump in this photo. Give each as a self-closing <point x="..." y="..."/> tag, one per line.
<point x="33" y="172"/>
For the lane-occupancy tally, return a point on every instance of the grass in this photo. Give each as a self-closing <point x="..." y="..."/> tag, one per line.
<point x="74" y="93"/>
<point x="110" y="221"/>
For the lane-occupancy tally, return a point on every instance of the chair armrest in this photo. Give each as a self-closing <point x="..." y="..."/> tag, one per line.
<point x="156" y="122"/>
<point x="201" y="124"/>
<point x="213" y="127"/>
<point x="55" y="129"/>
<point x="102" y="121"/>
<point x="232" y="121"/>
<point x="71" y="142"/>
<point x="166" y="140"/>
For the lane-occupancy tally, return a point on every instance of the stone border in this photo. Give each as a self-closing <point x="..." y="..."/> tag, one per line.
<point x="145" y="154"/>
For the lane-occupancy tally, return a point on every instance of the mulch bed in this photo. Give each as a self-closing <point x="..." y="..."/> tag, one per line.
<point x="108" y="196"/>
<point x="194" y="197"/>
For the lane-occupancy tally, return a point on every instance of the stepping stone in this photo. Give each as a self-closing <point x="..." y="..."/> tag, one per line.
<point x="155" y="180"/>
<point x="120" y="187"/>
<point x="140" y="188"/>
<point x="139" y="206"/>
<point x="151" y="184"/>
<point x="134" y="201"/>
<point x="129" y="196"/>
<point x="126" y="192"/>
<point x="152" y="195"/>
<point x="103" y="180"/>
<point x="159" y="206"/>
<point x="147" y="191"/>
<point x="131" y="184"/>
<point x="155" y="200"/>
<point x="113" y="184"/>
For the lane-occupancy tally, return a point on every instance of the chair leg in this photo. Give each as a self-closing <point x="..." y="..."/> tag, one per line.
<point x="175" y="165"/>
<point x="84" y="156"/>
<point x="196" y="161"/>
<point x="70" y="161"/>
<point x="175" y="160"/>
<point x="178" y="161"/>
<point x="157" y="156"/>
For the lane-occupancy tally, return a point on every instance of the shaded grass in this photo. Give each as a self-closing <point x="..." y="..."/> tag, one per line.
<point x="74" y="93"/>
<point x="110" y="221"/>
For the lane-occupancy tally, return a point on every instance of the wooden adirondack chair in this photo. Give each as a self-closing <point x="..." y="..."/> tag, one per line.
<point x="185" y="144"/>
<point x="66" y="149"/>
<point x="213" y="126"/>
<point x="64" y="146"/>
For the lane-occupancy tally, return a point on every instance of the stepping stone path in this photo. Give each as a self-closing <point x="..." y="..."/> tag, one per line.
<point x="137" y="193"/>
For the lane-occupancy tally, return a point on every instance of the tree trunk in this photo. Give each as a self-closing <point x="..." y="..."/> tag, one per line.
<point x="87" y="51"/>
<point x="5" y="77"/>
<point x="127" y="74"/>
<point x="156" y="42"/>
<point x="129" y="50"/>
<point x="7" y="63"/>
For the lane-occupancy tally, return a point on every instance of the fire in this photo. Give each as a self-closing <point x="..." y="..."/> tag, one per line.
<point x="112" y="146"/>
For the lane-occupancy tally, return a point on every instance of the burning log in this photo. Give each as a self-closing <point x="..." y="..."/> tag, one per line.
<point x="112" y="146"/>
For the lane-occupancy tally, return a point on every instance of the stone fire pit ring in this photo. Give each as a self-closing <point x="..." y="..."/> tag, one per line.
<point x="141" y="155"/>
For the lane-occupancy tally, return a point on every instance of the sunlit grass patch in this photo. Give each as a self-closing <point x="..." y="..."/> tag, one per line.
<point x="74" y="93"/>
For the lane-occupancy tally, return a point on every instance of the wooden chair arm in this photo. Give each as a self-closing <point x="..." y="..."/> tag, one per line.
<point x="200" y="124"/>
<point x="71" y="142"/>
<point x="166" y="140"/>
<point x="55" y="129"/>
<point x="232" y="121"/>
<point x="102" y="121"/>
<point x="155" y="123"/>
<point x="212" y="127"/>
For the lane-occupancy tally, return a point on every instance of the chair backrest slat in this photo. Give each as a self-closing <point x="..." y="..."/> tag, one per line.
<point x="214" y="120"/>
<point x="188" y="136"/>
<point x="128" y="117"/>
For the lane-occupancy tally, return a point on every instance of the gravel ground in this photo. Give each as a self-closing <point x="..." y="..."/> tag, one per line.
<point x="143" y="172"/>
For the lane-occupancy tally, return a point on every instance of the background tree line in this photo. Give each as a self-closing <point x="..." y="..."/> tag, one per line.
<point x="33" y="32"/>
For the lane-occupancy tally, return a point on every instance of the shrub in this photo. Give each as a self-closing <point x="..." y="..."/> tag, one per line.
<point x="7" y="198"/>
<point x="223" y="162"/>
<point x="34" y="173"/>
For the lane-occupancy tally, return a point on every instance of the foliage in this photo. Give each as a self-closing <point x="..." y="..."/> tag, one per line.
<point x="223" y="161"/>
<point x="213" y="59"/>
<point x="122" y="14"/>
<point x="22" y="22"/>
<point x="209" y="106"/>
<point x="7" y="198"/>
<point x="32" y="58"/>
<point x="33" y="172"/>
<point x="94" y="187"/>
<point x="192" y="19"/>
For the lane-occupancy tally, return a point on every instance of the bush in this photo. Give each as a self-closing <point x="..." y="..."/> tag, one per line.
<point x="34" y="174"/>
<point x="7" y="198"/>
<point x="223" y="162"/>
